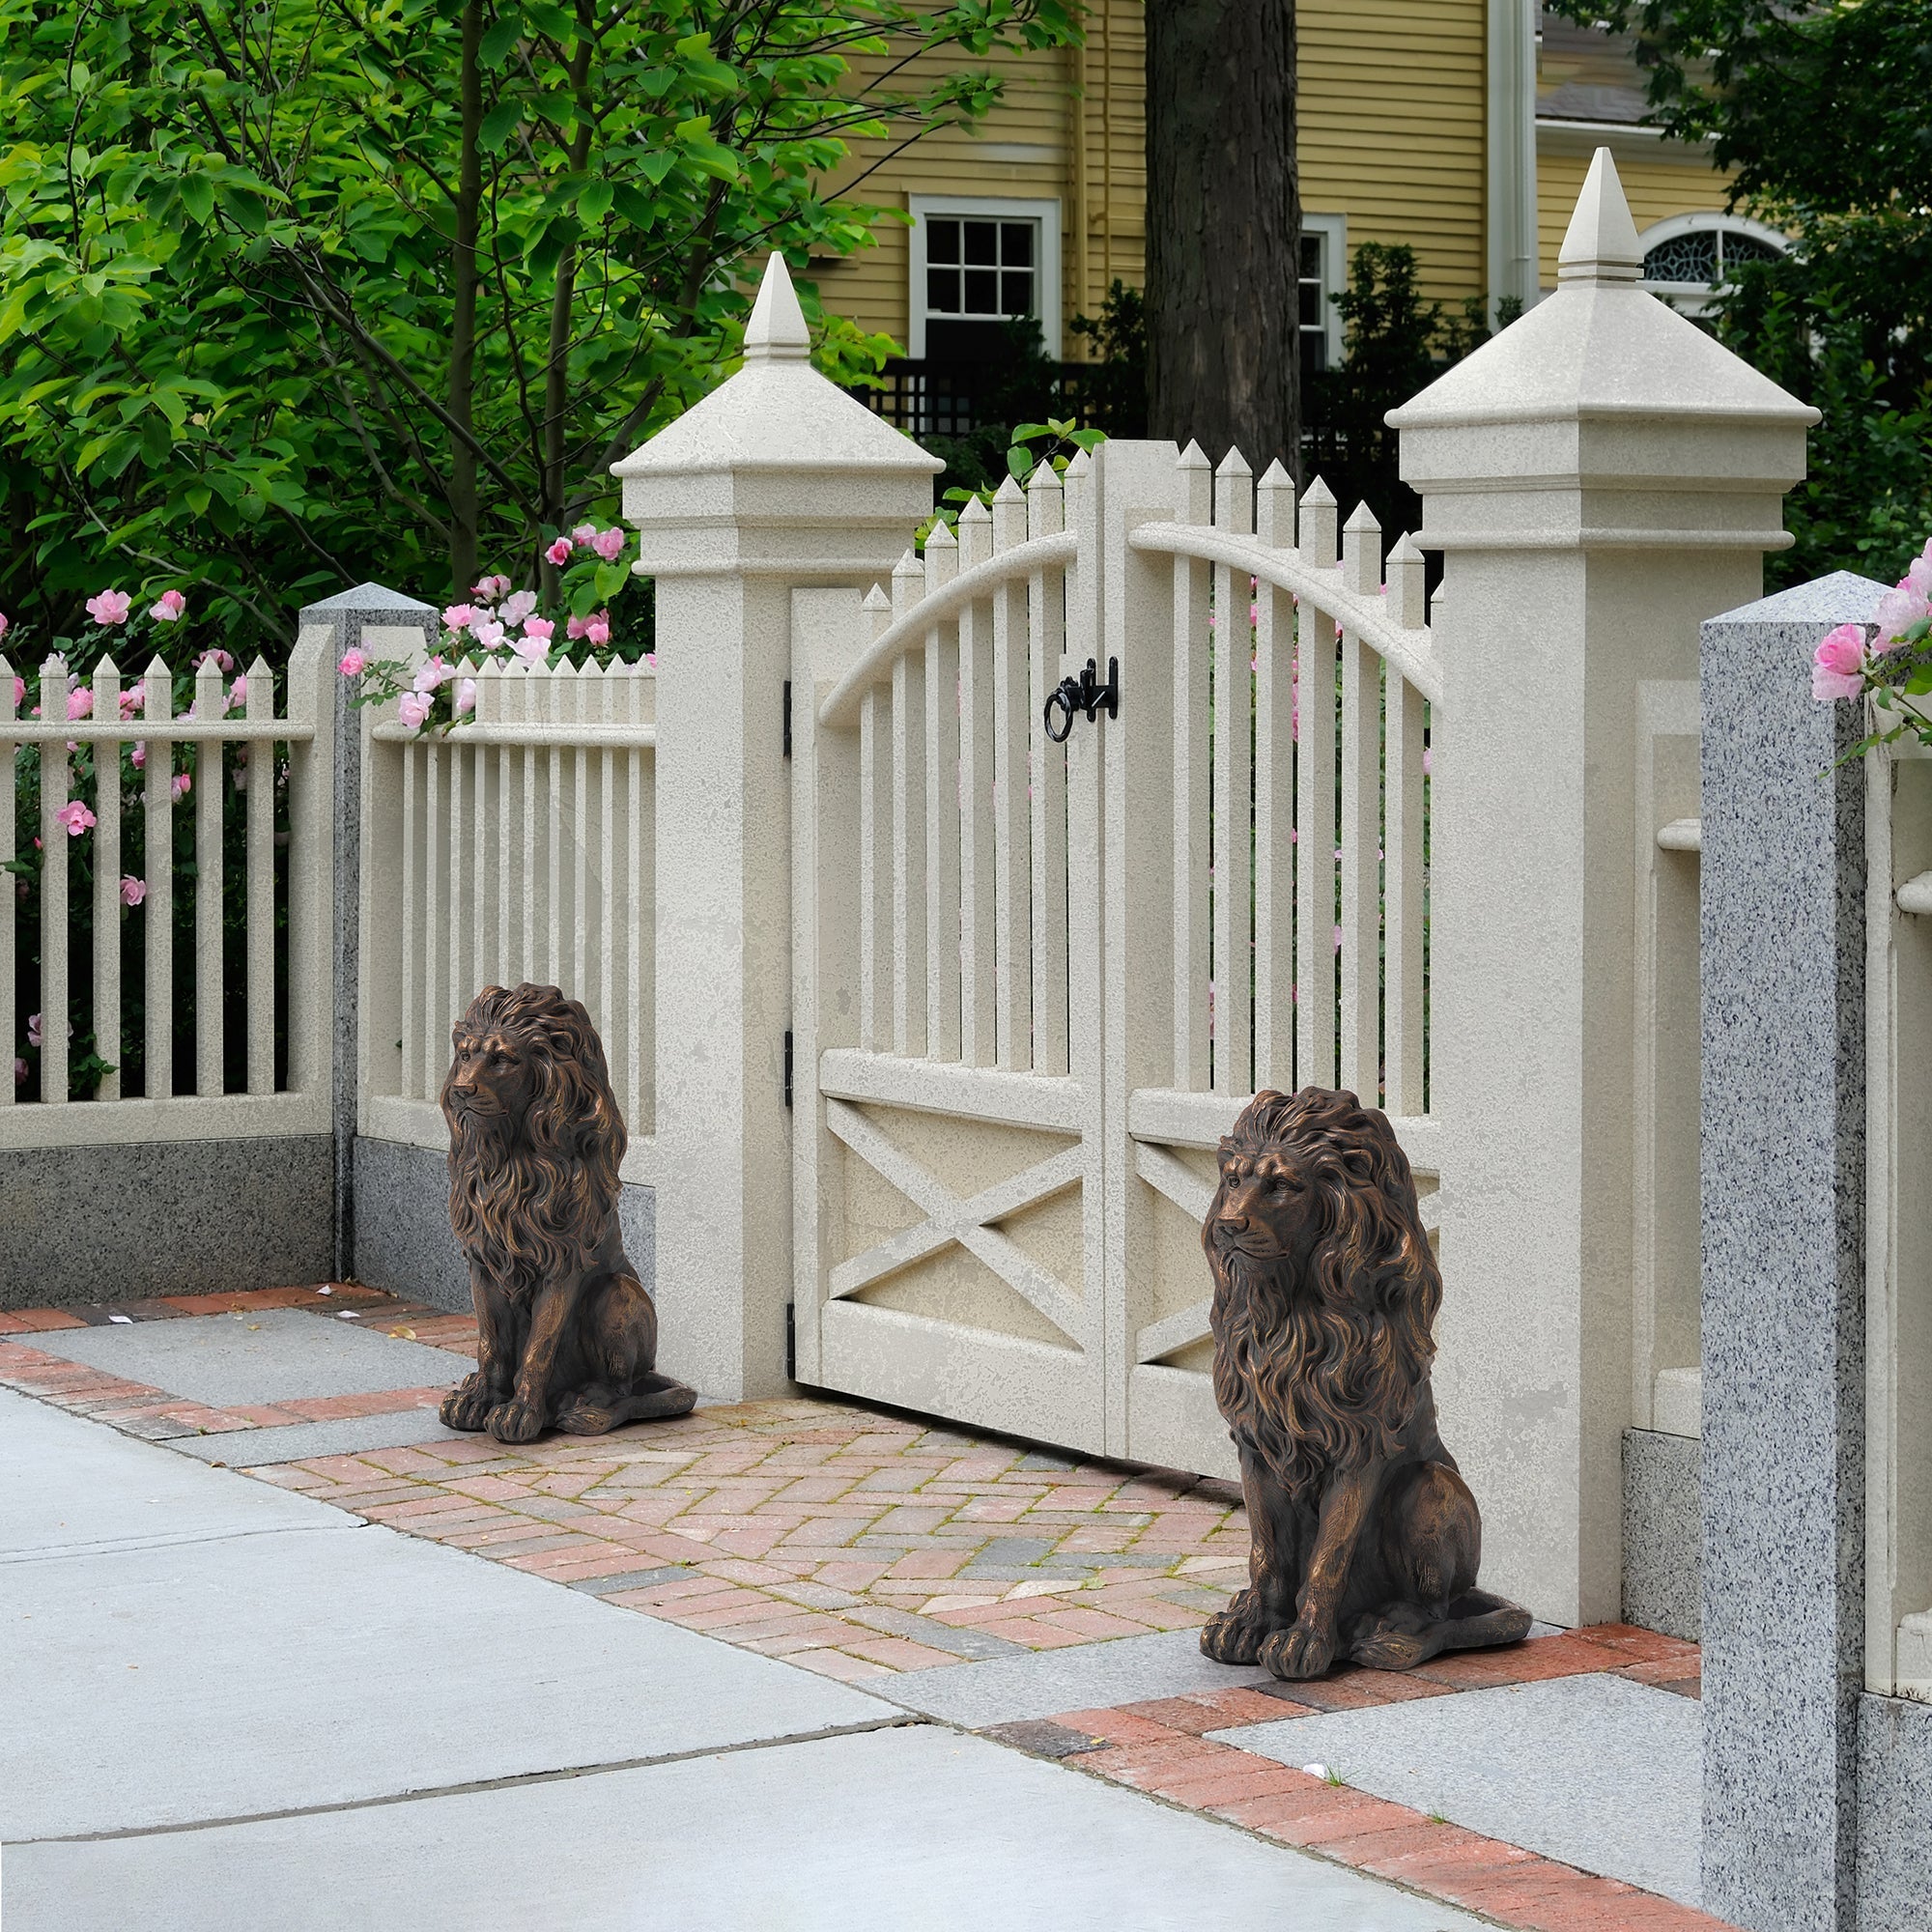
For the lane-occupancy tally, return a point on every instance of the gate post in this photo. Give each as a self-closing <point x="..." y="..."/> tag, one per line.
<point x="1602" y="477"/>
<point x="776" y="480"/>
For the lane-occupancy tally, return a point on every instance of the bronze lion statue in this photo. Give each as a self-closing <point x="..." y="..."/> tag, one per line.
<point x="1366" y="1539"/>
<point x="566" y="1334"/>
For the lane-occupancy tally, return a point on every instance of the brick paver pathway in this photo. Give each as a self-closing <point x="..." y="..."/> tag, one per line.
<point x="859" y="1543"/>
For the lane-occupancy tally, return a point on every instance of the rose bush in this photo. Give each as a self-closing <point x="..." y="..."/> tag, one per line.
<point x="1889" y="661"/>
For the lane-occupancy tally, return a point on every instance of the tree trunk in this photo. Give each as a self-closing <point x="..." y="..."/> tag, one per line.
<point x="1222" y="228"/>
<point x="463" y="497"/>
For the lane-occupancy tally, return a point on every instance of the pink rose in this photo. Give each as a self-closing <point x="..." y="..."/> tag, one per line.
<point x="490" y="588"/>
<point x="3" y="623"/>
<point x="78" y="705"/>
<point x="488" y="634"/>
<point x="431" y="676"/>
<point x="132" y="890"/>
<point x="77" y="817"/>
<point x="460" y="617"/>
<point x="20" y="692"/>
<point x="354" y="664"/>
<point x="168" y="607"/>
<point x="598" y="628"/>
<point x="414" y="708"/>
<point x="539" y="627"/>
<point x="131" y="701"/>
<point x="19" y="1072"/>
<point x="216" y="657"/>
<point x="110" y="606"/>
<point x="240" y="768"/>
<point x="519" y="606"/>
<point x="608" y="543"/>
<point x="559" y="550"/>
<point x="466" y="697"/>
<point x="182" y="784"/>
<point x="1897" y="610"/>
<point x="138" y="756"/>
<point x="576" y="627"/>
<point x="238" y="695"/>
<point x="582" y="533"/>
<point x="1838" y="666"/>
<point x="532" y="651"/>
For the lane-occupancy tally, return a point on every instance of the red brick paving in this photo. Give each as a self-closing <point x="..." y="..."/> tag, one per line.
<point x="800" y="1528"/>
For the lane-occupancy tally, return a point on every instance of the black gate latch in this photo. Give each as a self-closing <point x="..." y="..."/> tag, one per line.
<point x="1088" y="695"/>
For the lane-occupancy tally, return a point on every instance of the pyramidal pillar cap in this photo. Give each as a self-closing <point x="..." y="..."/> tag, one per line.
<point x="1601" y="245"/>
<point x="776" y="331"/>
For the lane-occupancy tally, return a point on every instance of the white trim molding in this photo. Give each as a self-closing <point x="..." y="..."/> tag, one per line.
<point x="1043" y="209"/>
<point x="1334" y="231"/>
<point x="1627" y="141"/>
<point x="1692" y="298"/>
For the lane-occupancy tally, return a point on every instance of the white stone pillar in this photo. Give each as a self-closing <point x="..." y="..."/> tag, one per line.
<point x="778" y="479"/>
<point x="1601" y="476"/>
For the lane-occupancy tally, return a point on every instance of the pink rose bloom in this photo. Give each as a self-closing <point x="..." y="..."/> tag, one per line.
<point x="598" y="628"/>
<point x="460" y="617"/>
<point x="3" y="623"/>
<point x="20" y="692"/>
<point x="491" y="588"/>
<point x="414" y="708"/>
<point x="539" y="627"/>
<point x="1897" y="608"/>
<point x="466" y="697"/>
<point x="582" y="533"/>
<point x="138" y="756"/>
<point x="168" y="607"/>
<point x="19" y="1073"/>
<point x="651" y="659"/>
<point x="432" y="676"/>
<point x="77" y="817"/>
<point x="532" y="651"/>
<point x="1917" y="579"/>
<point x="487" y="632"/>
<point x="519" y="606"/>
<point x="218" y="658"/>
<point x="33" y="1029"/>
<point x="608" y="543"/>
<point x="182" y="784"/>
<point x="238" y="695"/>
<point x="132" y="890"/>
<point x="576" y="627"/>
<point x="110" y="606"/>
<point x="132" y="701"/>
<point x="240" y="768"/>
<point x="354" y="664"/>
<point x="559" y="550"/>
<point x="78" y="704"/>
<point x="1838" y="666"/>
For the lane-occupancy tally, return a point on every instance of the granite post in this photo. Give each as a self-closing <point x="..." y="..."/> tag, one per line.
<point x="1783" y="1185"/>
<point x="350" y="615"/>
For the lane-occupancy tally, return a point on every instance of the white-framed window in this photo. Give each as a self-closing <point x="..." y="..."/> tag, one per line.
<point x="1686" y="256"/>
<point x="1324" y="273"/>
<point x="979" y="262"/>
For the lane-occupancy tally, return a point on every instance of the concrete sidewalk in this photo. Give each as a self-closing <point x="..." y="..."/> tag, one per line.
<point x="229" y="1706"/>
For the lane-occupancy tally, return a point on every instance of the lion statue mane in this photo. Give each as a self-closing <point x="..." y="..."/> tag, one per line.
<point x="566" y="1332"/>
<point x="1366" y="1540"/>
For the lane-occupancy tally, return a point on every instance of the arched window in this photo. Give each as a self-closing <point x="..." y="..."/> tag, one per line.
<point x="1688" y="255"/>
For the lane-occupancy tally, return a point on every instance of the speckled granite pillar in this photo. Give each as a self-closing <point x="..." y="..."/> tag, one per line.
<point x="345" y="614"/>
<point x="1783" y="1297"/>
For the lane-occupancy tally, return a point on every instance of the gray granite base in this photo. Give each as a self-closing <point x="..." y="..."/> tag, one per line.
<point x="1662" y="1571"/>
<point x="162" y="1217"/>
<point x="402" y="1226"/>
<point x="1894" y="1865"/>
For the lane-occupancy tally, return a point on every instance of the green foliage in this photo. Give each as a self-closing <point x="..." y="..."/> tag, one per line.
<point x="1820" y="112"/>
<point x="299" y="292"/>
<point x="1117" y="384"/>
<point x="1055" y="443"/>
<point x="1398" y="343"/>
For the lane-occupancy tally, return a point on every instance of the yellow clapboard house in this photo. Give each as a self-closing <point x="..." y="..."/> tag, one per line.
<point x="1462" y="128"/>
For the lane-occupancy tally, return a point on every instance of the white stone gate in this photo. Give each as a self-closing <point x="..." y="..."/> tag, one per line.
<point x="1034" y="982"/>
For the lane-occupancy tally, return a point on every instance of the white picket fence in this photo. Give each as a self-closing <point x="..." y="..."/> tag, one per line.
<point x="209" y="766"/>
<point x="1039" y="981"/>
<point x="521" y="845"/>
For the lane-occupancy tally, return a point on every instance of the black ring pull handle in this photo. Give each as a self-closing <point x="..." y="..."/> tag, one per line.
<point x="1072" y="696"/>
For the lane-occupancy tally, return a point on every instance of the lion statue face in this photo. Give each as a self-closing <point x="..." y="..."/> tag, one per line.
<point x="535" y="1136"/>
<point x="1325" y="1287"/>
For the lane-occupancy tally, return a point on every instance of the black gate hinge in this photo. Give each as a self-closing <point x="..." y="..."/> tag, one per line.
<point x="787" y="718"/>
<point x="787" y="1066"/>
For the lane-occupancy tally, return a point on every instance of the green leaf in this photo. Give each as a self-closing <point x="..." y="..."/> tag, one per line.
<point x="197" y="195"/>
<point x="594" y="204"/>
<point x="498" y="124"/>
<point x="500" y="36"/>
<point x="611" y="578"/>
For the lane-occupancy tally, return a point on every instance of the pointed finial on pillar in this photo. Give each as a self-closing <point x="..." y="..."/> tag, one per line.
<point x="1601" y="245"/>
<point x="776" y="331"/>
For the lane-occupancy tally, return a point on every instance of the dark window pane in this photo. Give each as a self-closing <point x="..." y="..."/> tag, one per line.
<point x="983" y="292"/>
<point x="1017" y="244"/>
<point x="1311" y="306"/>
<point x="942" y="290"/>
<point x="1747" y="248"/>
<point x="1684" y="258"/>
<point x="1016" y="291"/>
<point x="982" y="242"/>
<point x="1314" y="353"/>
<point x="942" y="241"/>
<point x="1310" y="256"/>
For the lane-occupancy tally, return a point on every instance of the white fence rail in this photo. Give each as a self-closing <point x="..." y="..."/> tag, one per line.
<point x="521" y="845"/>
<point x="222" y="775"/>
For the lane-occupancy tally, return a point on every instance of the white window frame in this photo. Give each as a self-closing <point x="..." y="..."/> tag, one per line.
<point x="1693" y="297"/>
<point x="1043" y="212"/>
<point x="1334" y="231"/>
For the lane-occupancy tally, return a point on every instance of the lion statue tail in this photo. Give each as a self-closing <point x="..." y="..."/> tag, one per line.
<point x="595" y="1412"/>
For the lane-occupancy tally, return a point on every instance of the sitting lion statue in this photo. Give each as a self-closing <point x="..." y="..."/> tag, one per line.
<point x="1366" y="1540"/>
<point x="566" y="1334"/>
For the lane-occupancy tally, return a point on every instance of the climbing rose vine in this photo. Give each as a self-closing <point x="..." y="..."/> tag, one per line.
<point x="1889" y="659"/>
